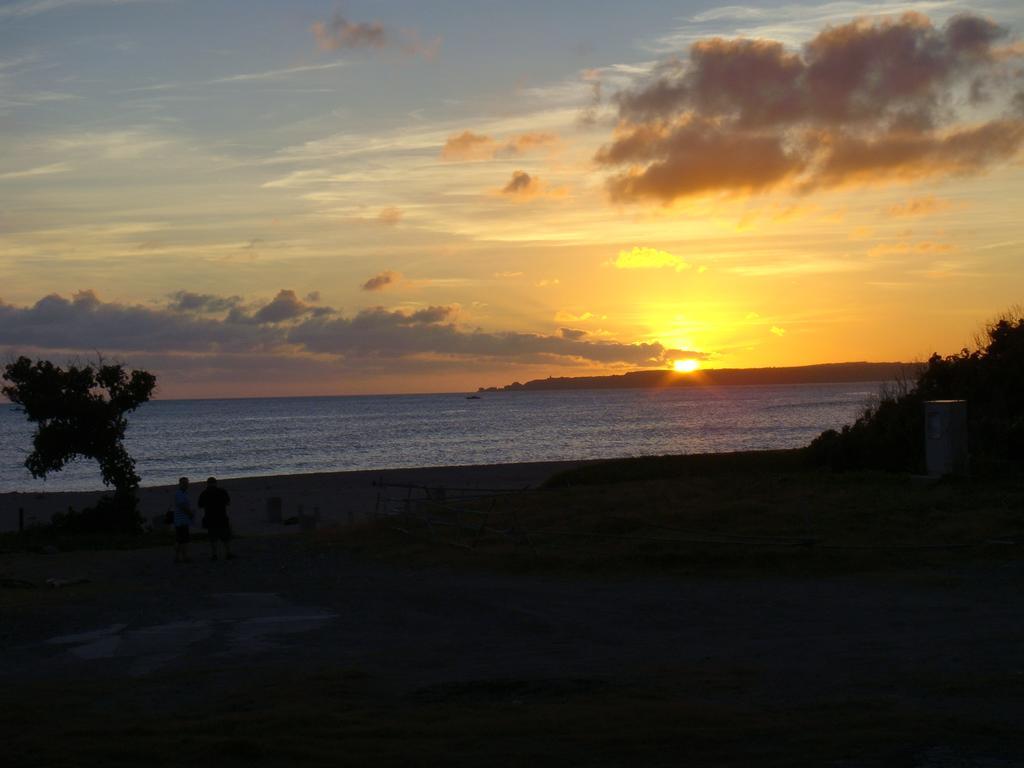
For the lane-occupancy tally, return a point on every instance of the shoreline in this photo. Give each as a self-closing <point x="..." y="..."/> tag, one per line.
<point x="341" y="497"/>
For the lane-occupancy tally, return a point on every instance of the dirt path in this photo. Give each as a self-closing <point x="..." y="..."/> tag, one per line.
<point x="278" y="600"/>
<point x="941" y="643"/>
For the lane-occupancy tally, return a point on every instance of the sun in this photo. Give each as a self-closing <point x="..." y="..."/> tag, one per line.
<point x="685" y="366"/>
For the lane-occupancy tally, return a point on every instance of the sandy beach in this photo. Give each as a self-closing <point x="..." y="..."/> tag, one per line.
<point x="340" y="497"/>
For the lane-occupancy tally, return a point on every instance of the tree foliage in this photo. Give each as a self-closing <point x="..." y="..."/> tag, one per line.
<point x="79" y="412"/>
<point x="990" y="377"/>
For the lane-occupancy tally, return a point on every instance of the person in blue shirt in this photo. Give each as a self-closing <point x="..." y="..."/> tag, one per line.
<point x="183" y="516"/>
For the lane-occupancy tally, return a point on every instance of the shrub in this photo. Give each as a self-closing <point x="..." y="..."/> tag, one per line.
<point x="890" y="434"/>
<point x="117" y="513"/>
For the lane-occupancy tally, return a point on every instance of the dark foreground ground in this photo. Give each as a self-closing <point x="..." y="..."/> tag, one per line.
<point x="353" y="648"/>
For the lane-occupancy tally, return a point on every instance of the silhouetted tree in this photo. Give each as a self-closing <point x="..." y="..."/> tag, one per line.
<point x="79" y="412"/>
<point x="989" y="377"/>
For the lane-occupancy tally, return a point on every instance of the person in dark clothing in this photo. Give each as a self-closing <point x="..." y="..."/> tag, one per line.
<point x="182" y="518"/>
<point x="214" y="502"/>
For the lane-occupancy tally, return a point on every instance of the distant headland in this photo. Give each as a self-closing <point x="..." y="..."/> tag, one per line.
<point x="826" y="373"/>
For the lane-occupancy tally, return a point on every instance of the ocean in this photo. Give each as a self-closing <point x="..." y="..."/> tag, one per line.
<point x="289" y="435"/>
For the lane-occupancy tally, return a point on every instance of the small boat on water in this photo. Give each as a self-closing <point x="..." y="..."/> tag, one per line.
<point x="472" y="397"/>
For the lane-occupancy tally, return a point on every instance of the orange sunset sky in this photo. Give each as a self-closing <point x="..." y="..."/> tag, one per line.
<point x="270" y="198"/>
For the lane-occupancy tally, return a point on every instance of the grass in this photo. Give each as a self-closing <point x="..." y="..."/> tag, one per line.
<point x="741" y="515"/>
<point x="745" y="512"/>
<point x="678" y="466"/>
<point x="38" y="538"/>
<point x="335" y="717"/>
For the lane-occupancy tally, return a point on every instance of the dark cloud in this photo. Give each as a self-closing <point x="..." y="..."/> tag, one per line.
<point x="382" y="333"/>
<point x="381" y="281"/>
<point x="572" y="333"/>
<point x="287" y="326"/>
<point x="700" y="156"/>
<point x="186" y="301"/>
<point x="432" y="314"/>
<point x="85" y="323"/>
<point x="379" y="317"/>
<point x="339" y="33"/>
<point x="910" y="155"/>
<point x="522" y="184"/>
<point x="864" y="101"/>
<point x="284" y="307"/>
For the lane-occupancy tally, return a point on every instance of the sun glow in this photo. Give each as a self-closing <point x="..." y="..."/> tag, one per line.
<point x="685" y="366"/>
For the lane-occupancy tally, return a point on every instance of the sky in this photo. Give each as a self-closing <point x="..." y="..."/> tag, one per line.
<point x="310" y="198"/>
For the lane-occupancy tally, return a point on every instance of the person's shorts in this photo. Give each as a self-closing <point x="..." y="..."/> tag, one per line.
<point x="219" y="529"/>
<point x="181" y="534"/>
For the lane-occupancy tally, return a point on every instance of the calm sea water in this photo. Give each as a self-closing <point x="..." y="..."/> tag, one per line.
<point x="244" y="438"/>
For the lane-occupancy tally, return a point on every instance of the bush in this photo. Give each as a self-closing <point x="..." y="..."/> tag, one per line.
<point x="117" y="513"/>
<point x="890" y="435"/>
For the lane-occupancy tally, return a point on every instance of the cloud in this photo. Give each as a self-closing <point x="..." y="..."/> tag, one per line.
<point x="780" y="332"/>
<point x="868" y="101"/>
<point x="275" y="75"/>
<point x="918" y="206"/>
<point x="588" y="115"/>
<point x="186" y="301"/>
<point x="382" y="333"/>
<point x="390" y="216"/>
<point x="267" y="76"/>
<point x="35" y="7"/>
<point x="522" y="184"/>
<point x="522" y="187"/>
<point x="285" y="306"/>
<point x="565" y="316"/>
<point x="468" y="146"/>
<point x="340" y="33"/>
<point x="289" y="328"/>
<point x="926" y="247"/>
<point x="84" y="323"/>
<point x="381" y="281"/>
<point x="528" y="142"/>
<point x="572" y="333"/>
<point x="477" y="146"/>
<point x="911" y="156"/>
<point x="649" y="258"/>
<point x="124" y="144"/>
<point x="41" y="170"/>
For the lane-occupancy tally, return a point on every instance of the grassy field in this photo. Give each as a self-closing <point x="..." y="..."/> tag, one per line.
<point x="703" y="519"/>
<point x="692" y="717"/>
<point x="705" y="514"/>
